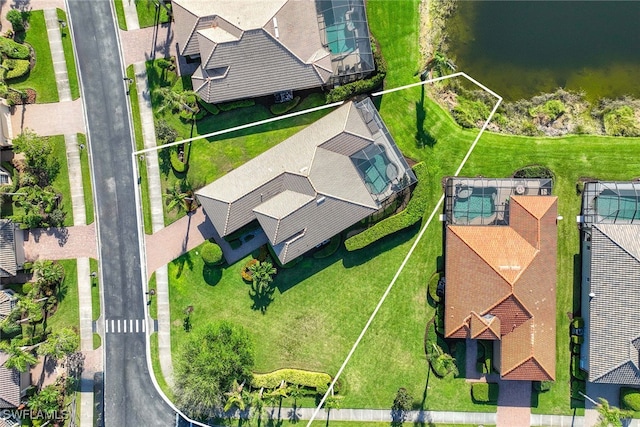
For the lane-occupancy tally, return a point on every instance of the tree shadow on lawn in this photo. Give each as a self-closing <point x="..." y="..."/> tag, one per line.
<point x="181" y="261"/>
<point x="211" y="274"/>
<point x="423" y="137"/>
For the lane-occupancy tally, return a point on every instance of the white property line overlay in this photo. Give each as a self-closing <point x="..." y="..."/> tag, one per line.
<point x="415" y="243"/>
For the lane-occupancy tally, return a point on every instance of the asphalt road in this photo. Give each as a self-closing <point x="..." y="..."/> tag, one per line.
<point x="129" y="396"/>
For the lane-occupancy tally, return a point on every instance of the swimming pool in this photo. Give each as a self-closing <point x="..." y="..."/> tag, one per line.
<point x="617" y="207"/>
<point x="473" y="207"/>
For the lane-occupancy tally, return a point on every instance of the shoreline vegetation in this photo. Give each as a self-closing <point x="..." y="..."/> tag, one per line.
<point x="558" y="113"/>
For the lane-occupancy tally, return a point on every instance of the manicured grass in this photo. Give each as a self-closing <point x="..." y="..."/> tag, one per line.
<point x="122" y="22"/>
<point x="42" y="77"/>
<point x="68" y="314"/>
<point x="67" y="45"/>
<point x="211" y="158"/>
<point x="157" y="371"/>
<point x="95" y="290"/>
<point x="153" y="307"/>
<point x="97" y="341"/>
<point x="61" y="183"/>
<point x="147" y="13"/>
<point x="142" y="165"/>
<point x="87" y="189"/>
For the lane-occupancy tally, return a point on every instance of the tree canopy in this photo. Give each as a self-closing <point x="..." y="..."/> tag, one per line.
<point x="207" y="365"/>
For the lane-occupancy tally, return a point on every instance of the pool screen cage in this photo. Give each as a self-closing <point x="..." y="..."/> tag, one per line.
<point x="610" y="203"/>
<point x="485" y="201"/>
<point x="344" y="31"/>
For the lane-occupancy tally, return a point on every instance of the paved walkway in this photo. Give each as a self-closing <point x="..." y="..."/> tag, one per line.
<point x="61" y="118"/>
<point x="25" y="5"/>
<point x="130" y="14"/>
<point x="57" y="53"/>
<point x="60" y="243"/>
<point x="148" y="43"/>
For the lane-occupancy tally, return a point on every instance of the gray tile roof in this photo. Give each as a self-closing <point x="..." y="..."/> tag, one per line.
<point x="300" y="189"/>
<point x="8" y="264"/>
<point x="264" y="46"/>
<point x="9" y="385"/>
<point x="7" y="302"/>
<point x="614" y="318"/>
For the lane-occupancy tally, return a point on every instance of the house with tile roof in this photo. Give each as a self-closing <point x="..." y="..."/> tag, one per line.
<point x="11" y="248"/>
<point x="315" y="184"/>
<point x="254" y="48"/>
<point x="501" y="274"/>
<point x="13" y="384"/>
<point x="610" y="246"/>
<point x="8" y="302"/>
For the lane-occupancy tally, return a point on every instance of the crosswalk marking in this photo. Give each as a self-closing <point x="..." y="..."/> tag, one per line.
<point x="124" y="326"/>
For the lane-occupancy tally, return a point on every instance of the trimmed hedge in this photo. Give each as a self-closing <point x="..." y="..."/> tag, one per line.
<point x="317" y="380"/>
<point x="15" y="68"/>
<point x="630" y="398"/>
<point x="485" y="392"/>
<point x="433" y="286"/>
<point x="410" y="215"/>
<point x="330" y="248"/>
<point x="176" y="164"/>
<point x="228" y="106"/>
<point x="542" y="386"/>
<point x="211" y="253"/>
<point x="576" y="388"/>
<point x="13" y="50"/>
<point x="285" y="107"/>
<point x="576" y="372"/>
<point x="577" y="322"/>
<point x="577" y="339"/>
<point x="211" y="108"/>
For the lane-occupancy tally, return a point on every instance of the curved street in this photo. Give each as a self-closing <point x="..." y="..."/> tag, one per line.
<point x="130" y="399"/>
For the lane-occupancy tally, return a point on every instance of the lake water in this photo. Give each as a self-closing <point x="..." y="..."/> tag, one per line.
<point x="522" y="48"/>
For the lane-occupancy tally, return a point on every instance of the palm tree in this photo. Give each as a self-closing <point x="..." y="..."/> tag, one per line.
<point x="49" y="275"/>
<point x="610" y="415"/>
<point x="184" y="101"/>
<point x="236" y="397"/>
<point x="440" y="64"/>
<point x="46" y="401"/>
<point x="296" y="392"/>
<point x="60" y="344"/>
<point x="30" y="310"/>
<point x="180" y="196"/>
<point x="262" y="275"/>
<point x="19" y="359"/>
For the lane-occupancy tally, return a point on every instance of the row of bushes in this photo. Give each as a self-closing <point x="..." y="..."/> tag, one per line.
<point x="176" y="164"/>
<point x="285" y="107"/>
<point x="576" y="372"/>
<point x="330" y="248"/>
<point x="433" y="287"/>
<point x="485" y="392"/>
<point x="15" y="68"/>
<point x="410" y="215"/>
<point x="13" y="50"/>
<point x="630" y="398"/>
<point x="242" y="103"/>
<point x="317" y="380"/>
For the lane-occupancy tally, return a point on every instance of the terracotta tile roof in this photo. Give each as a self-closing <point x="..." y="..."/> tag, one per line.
<point x="508" y="272"/>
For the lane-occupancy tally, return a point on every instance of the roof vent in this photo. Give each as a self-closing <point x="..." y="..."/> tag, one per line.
<point x="304" y="169"/>
<point x="591" y="294"/>
<point x="275" y="27"/>
<point x="320" y="200"/>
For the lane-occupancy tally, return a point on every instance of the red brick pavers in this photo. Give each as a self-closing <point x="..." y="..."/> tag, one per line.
<point x="514" y="404"/>
<point x="60" y="118"/>
<point x="64" y="243"/>
<point x="176" y="239"/>
<point x="148" y="43"/>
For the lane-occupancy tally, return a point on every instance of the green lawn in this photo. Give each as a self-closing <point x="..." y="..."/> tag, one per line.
<point x="320" y="306"/>
<point x="122" y="22"/>
<point x="87" y="189"/>
<point x="68" y="314"/>
<point x="95" y="290"/>
<point x="61" y="183"/>
<point x="42" y="77"/>
<point x="153" y="307"/>
<point x="147" y="13"/>
<point x="157" y="371"/>
<point x="69" y="58"/>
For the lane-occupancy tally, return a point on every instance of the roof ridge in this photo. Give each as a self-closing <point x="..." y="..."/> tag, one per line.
<point x="615" y="242"/>
<point x="193" y="29"/>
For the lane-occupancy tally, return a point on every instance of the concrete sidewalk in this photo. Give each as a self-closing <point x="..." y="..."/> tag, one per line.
<point x="130" y="14"/>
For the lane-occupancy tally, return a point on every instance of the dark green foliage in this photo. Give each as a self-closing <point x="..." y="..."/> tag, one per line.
<point x="228" y="106"/>
<point x="577" y="339"/>
<point x="577" y="322"/>
<point x="298" y="377"/>
<point x="403" y="400"/>
<point x="433" y="286"/>
<point x="630" y="398"/>
<point x="208" y="363"/>
<point x="485" y="392"/>
<point x="187" y="115"/>
<point x="13" y="50"/>
<point x="211" y="253"/>
<point x="577" y="387"/>
<point x="621" y="122"/>
<point x="485" y="357"/>
<point x="550" y="110"/>
<point x="330" y="248"/>
<point x="470" y="113"/>
<point x="165" y="134"/>
<point x="17" y="22"/>
<point x="576" y="372"/>
<point x="38" y="152"/>
<point x="410" y="215"/>
<point x="176" y="164"/>
<point x="15" y="68"/>
<point x="542" y="386"/>
<point x="285" y="107"/>
<point x="211" y="108"/>
<point x="533" y="171"/>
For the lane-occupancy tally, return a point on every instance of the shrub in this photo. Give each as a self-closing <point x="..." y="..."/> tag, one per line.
<point x="577" y="339"/>
<point x="13" y="50"/>
<point x="15" y="68"/>
<point x="316" y="380"/>
<point x="533" y="171"/>
<point x="621" y="122"/>
<point x="410" y="215"/>
<point x="211" y="108"/>
<point x="485" y="392"/>
<point x="433" y="286"/>
<point x="211" y="253"/>
<point x="177" y="165"/>
<point x="285" y="107"/>
<point x="330" y="248"/>
<point x="550" y="110"/>
<point x="542" y="386"/>
<point x="578" y="387"/>
<point x="228" y="106"/>
<point x="576" y="372"/>
<point x="246" y="274"/>
<point x="15" y="17"/>
<point x="165" y="133"/>
<point x="630" y="398"/>
<point x="187" y="116"/>
<point x="468" y="113"/>
<point x="26" y="288"/>
<point x="577" y="322"/>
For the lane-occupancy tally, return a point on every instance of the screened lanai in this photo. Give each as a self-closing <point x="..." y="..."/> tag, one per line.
<point x="611" y="203"/>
